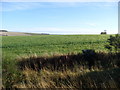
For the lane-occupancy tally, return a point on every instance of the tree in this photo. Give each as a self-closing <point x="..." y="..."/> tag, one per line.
<point x="114" y="43"/>
<point x="3" y="31"/>
<point x="105" y="32"/>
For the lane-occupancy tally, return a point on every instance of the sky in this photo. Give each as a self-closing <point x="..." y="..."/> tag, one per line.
<point x="60" y="17"/>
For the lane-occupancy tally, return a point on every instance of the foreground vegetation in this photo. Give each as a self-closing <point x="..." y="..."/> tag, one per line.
<point x="62" y="64"/>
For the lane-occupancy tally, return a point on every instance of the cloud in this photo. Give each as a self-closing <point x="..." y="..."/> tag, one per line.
<point x="54" y="30"/>
<point x="60" y="0"/>
<point x="13" y="6"/>
<point x="105" y="4"/>
<point x="91" y="24"/>
<point x="8" y="6"/>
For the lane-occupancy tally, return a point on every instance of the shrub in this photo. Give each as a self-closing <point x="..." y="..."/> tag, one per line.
<point x="103" y="32"/>
<point x="114" y="43"/>
<point x="89" y="55"/>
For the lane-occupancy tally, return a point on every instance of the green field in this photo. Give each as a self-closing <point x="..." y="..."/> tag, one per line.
<point x="51" y="44"/>
<point x="28" y="48"/>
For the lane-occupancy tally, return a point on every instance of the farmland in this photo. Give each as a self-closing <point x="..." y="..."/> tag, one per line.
<point x="24" y="45"/>
<point x="22" y="48"/>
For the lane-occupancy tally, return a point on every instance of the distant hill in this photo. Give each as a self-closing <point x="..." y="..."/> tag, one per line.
<point x="3" y="31"/>
<point x="7" y="33"/>
<point x="37" y="33"/>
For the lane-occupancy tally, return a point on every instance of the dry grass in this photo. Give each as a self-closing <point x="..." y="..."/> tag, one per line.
<point x="70" y="79"/>
<point x="64" y="62"/>
<point x="66" y="71"/>
<point x="14" y="34"/>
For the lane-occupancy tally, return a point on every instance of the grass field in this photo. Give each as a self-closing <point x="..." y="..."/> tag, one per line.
<point x="22" y="48"/>
<point x="24" y="45"/>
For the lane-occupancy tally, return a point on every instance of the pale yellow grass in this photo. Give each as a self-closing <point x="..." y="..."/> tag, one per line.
<point x="14" y="34"/>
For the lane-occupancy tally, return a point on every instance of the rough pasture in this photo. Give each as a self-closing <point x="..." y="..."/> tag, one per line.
<point x="57" y="61"/>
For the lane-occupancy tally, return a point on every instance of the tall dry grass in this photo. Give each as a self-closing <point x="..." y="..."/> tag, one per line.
<point x="66" y="71"/>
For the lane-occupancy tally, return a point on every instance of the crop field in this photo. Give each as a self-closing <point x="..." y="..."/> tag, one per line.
<point x="50" y="44"/>
<point x="48" y="50"/>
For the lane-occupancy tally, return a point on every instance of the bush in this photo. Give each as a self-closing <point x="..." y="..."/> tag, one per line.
<point x="114" y="43"/>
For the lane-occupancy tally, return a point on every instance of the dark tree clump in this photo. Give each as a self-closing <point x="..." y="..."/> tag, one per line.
<point x="113" y="43"/>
